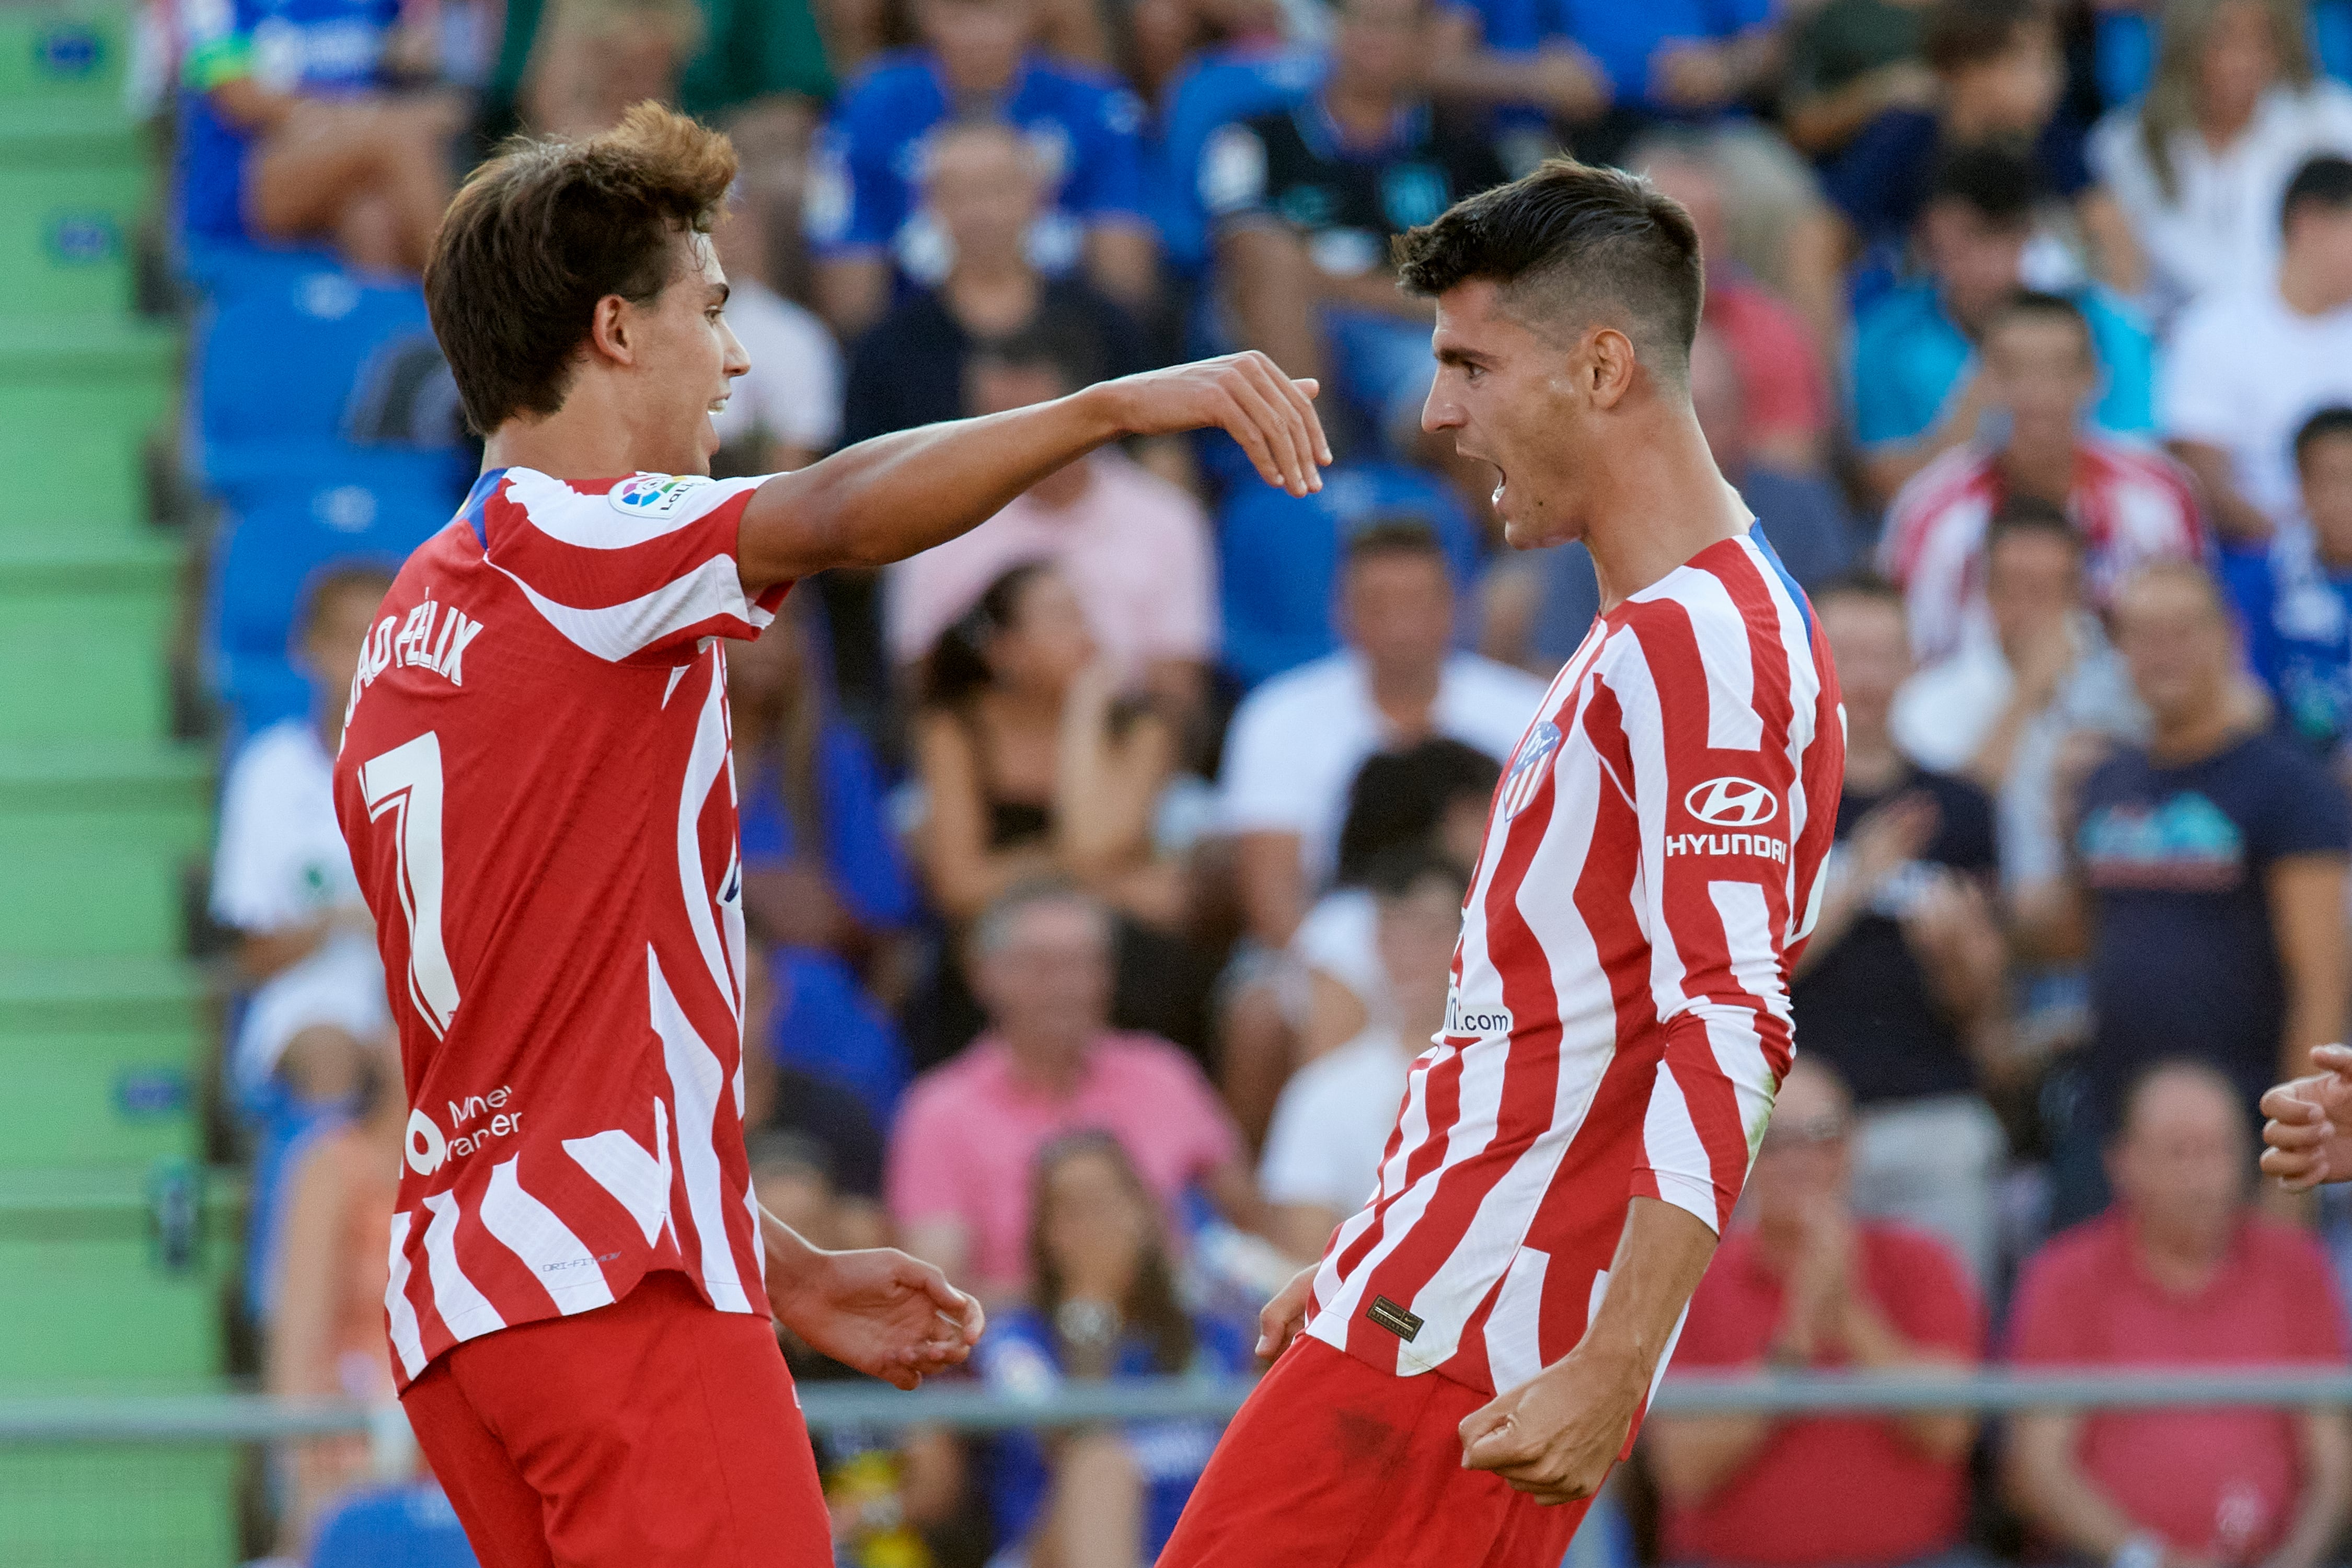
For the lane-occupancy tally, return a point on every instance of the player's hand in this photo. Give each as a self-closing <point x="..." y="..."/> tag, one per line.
<point x="1555" y="1435"/>
<point x="2309" y="1132"/>
<point x="1279" y="1321"/>
<point x="1247" y="396"/>
<point x="878" y="1311"/>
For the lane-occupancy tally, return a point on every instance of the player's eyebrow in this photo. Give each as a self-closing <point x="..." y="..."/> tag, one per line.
<point x="1449" y="353"/>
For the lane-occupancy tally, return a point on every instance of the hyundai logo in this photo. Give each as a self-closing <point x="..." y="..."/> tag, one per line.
<point x="1731" y="803"/>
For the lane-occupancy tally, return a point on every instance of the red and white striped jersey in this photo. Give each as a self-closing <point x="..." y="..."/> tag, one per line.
<point x="536" y="787"/>
<point x="1619" y="1018"/>
<point x="2130" y="502"/>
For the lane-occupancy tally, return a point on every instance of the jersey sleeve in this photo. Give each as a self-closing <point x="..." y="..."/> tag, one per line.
<point x="1707" y="708"/>
<point x="216" y="44"/>
<point x="1233" y="178"/>
<point x="639" y="571"/>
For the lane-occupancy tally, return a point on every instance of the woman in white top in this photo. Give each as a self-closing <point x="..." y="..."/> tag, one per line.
<point x="2195" y="169"/>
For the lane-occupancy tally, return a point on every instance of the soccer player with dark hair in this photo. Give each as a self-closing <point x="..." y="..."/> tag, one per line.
<point x="536" y="787"/>
<point x="1481" y="1338"/>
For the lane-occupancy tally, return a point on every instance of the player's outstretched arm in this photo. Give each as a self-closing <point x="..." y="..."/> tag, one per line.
<point x="1556" y="1435"/>
<point x="2309" y="1133"/>
<point x="877" y="1308"/>
<point x="884" y="499"/>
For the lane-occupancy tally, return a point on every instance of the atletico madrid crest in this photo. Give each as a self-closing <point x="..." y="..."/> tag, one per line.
<point x="1528" y="768"/>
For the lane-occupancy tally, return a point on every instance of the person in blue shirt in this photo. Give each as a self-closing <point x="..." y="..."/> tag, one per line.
<point x="862" y="212"/>
<point x="1671" y="59"/>
<point x="1102" y="1302"/>
<point x="2296" y="597"/>
<point x="1915" y="391"/>
<point x="290" y="130"/>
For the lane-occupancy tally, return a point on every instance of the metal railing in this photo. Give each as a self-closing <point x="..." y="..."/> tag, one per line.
<point x="249" y="1418"/>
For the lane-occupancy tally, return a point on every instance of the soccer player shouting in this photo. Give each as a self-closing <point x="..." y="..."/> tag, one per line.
<point x="1481" y="1337"/>
<point x="535" y="783"/>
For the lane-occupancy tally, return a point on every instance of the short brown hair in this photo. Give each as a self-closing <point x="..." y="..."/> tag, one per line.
<point x="547" y="227"/>
<point x="1958" y="33"/>
<point x="1569" y="240"/>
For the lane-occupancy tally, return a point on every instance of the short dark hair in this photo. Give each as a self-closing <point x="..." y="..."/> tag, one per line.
<point x="2000" y="183"/>
<point x="2028" y="304"/>
<point x="2029" y="514"/>
<point x="1054" y="341"/>
<point x="2329" y="422"/>
<point x="1397" y="533"/>
<point x="1399" y="798"/>
<point x="2325" y="181"/>
<point x="1396" y="871"/>
<point x="1573" y="240"/>
<point x="369" y="579"/>
<point x="547" y="227"/>
<point x="1958" y="33"/>
<point x="1863" y="584"/>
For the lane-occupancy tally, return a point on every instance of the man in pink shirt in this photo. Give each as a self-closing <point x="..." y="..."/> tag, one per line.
<point x="2181" y="1272"/>
<point x="960" y="1180"/>
<point x="1135" y="547"/>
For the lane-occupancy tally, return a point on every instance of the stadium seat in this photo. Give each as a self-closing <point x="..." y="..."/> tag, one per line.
<point x="99" y="839"/>
<point x="393" y="1527"/>
<point x="99" y="1056"/>
<point x="73" y="190"/>
<point x="264" y="566"/>
<point x="66" y="55"/>
<point x="1277" y="556"/>
<point x="84" y="624"/>
<point x="79" y="396"/>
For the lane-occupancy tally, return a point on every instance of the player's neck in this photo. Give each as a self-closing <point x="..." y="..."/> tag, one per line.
<point x="1656" y="500"/>
<point x="592" y="436"/>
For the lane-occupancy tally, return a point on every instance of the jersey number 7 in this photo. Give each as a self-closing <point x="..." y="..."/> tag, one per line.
<point x="407" y="782"/>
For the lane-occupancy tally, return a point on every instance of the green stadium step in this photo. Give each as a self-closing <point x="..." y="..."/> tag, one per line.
<point x="102" y="1058"/>
<point x="114" y="1505"/>
<point x="84" y="629"/>
<point x="98" y="840"/>
<point x="66" y="55"/>
<point x="73" y="192"/>
<point x="78" y="396"/>
<point x="111" y="1281"/>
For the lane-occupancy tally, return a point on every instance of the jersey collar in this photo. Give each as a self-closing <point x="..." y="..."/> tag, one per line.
<point x="475" y="513"/>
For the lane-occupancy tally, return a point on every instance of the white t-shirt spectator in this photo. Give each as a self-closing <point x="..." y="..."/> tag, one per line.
<point x="2244" y="373"/>
<point x="1136" y="548"/>
<point x="1297" y="741"/>
<point x="2220" y="228"/>
<point x="792" y="390"/>
<point x="1340" y="936"/>
<point x="281" y="863"/>
<point x="1332" y="1122"/>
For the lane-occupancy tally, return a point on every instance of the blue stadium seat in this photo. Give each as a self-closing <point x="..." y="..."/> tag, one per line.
<point x="1278" y="557"/>
<point x="264" y="564"/>
<point x="393" y="1527"/>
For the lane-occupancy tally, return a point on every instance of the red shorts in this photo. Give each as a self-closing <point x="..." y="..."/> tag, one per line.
<point x="1332" y="1463"/>
<point x="652" y="1433"/>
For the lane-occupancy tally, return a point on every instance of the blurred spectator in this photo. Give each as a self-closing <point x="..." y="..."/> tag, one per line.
<point x="2208" y="890"/>
<point x="983" y="184"/>
<point x="1916" y="388"/>
<point x="1677" y="60"/>
<point x="2039" y="372"/>
<point x="593" y="59"/>
<point x="2003" y="707"/>
<point x="1102" y="1302"/>
<point x="962" y="1149"/>
<point x="2180" y="1274"/>
<point x="412" y="1524"/>
<point x="1538" y="606"/>
<point x="1806" y="1283"/>
<point x="1997" y="77"/>
<point x="1502" y="57"/>
<point x="1297" y="741"/>
<point x="824" y="880"/>
<point x="1900" y="989"/>
<point x="2248" y="365"/>
<point x="1782" y="391"/>
<point x="292" y="127"/>
<point x="1849" y="62"/>
<point x="1168" y="37"/>
<point x="1134" y="548"/>
<point x="1305" y="201"/>
<point x="2296" y="598"/>
<point x="2196" y="168"/>
<point x="326" y="1339"/>
<point x="752" y="53"/>
<point x="1431" y="798"/>
<point x="785" y="411"/>
<point x="978" y="63"/>
<point x="1323" y="1151"/>
<point x="282" y="877"/>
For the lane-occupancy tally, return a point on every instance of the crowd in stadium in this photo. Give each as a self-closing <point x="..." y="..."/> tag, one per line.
<point x="1104" y="866"/>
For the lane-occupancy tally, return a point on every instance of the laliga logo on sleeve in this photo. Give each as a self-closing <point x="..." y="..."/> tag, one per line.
<point x="652" y="495"/>
<point x="1731" y="803"/>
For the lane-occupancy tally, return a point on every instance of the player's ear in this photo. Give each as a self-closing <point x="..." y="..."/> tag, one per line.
<point x="609" y="330"/>
<point x="1610" y="366"/>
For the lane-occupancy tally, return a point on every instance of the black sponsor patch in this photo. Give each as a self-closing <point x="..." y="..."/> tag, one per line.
<point x="1393" y="1318"/>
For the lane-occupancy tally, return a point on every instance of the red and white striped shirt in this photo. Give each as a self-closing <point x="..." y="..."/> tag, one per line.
<point x="1619" y="1018"/>
<point x="2130" y="504"/>
<point x="536" y="787"/>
